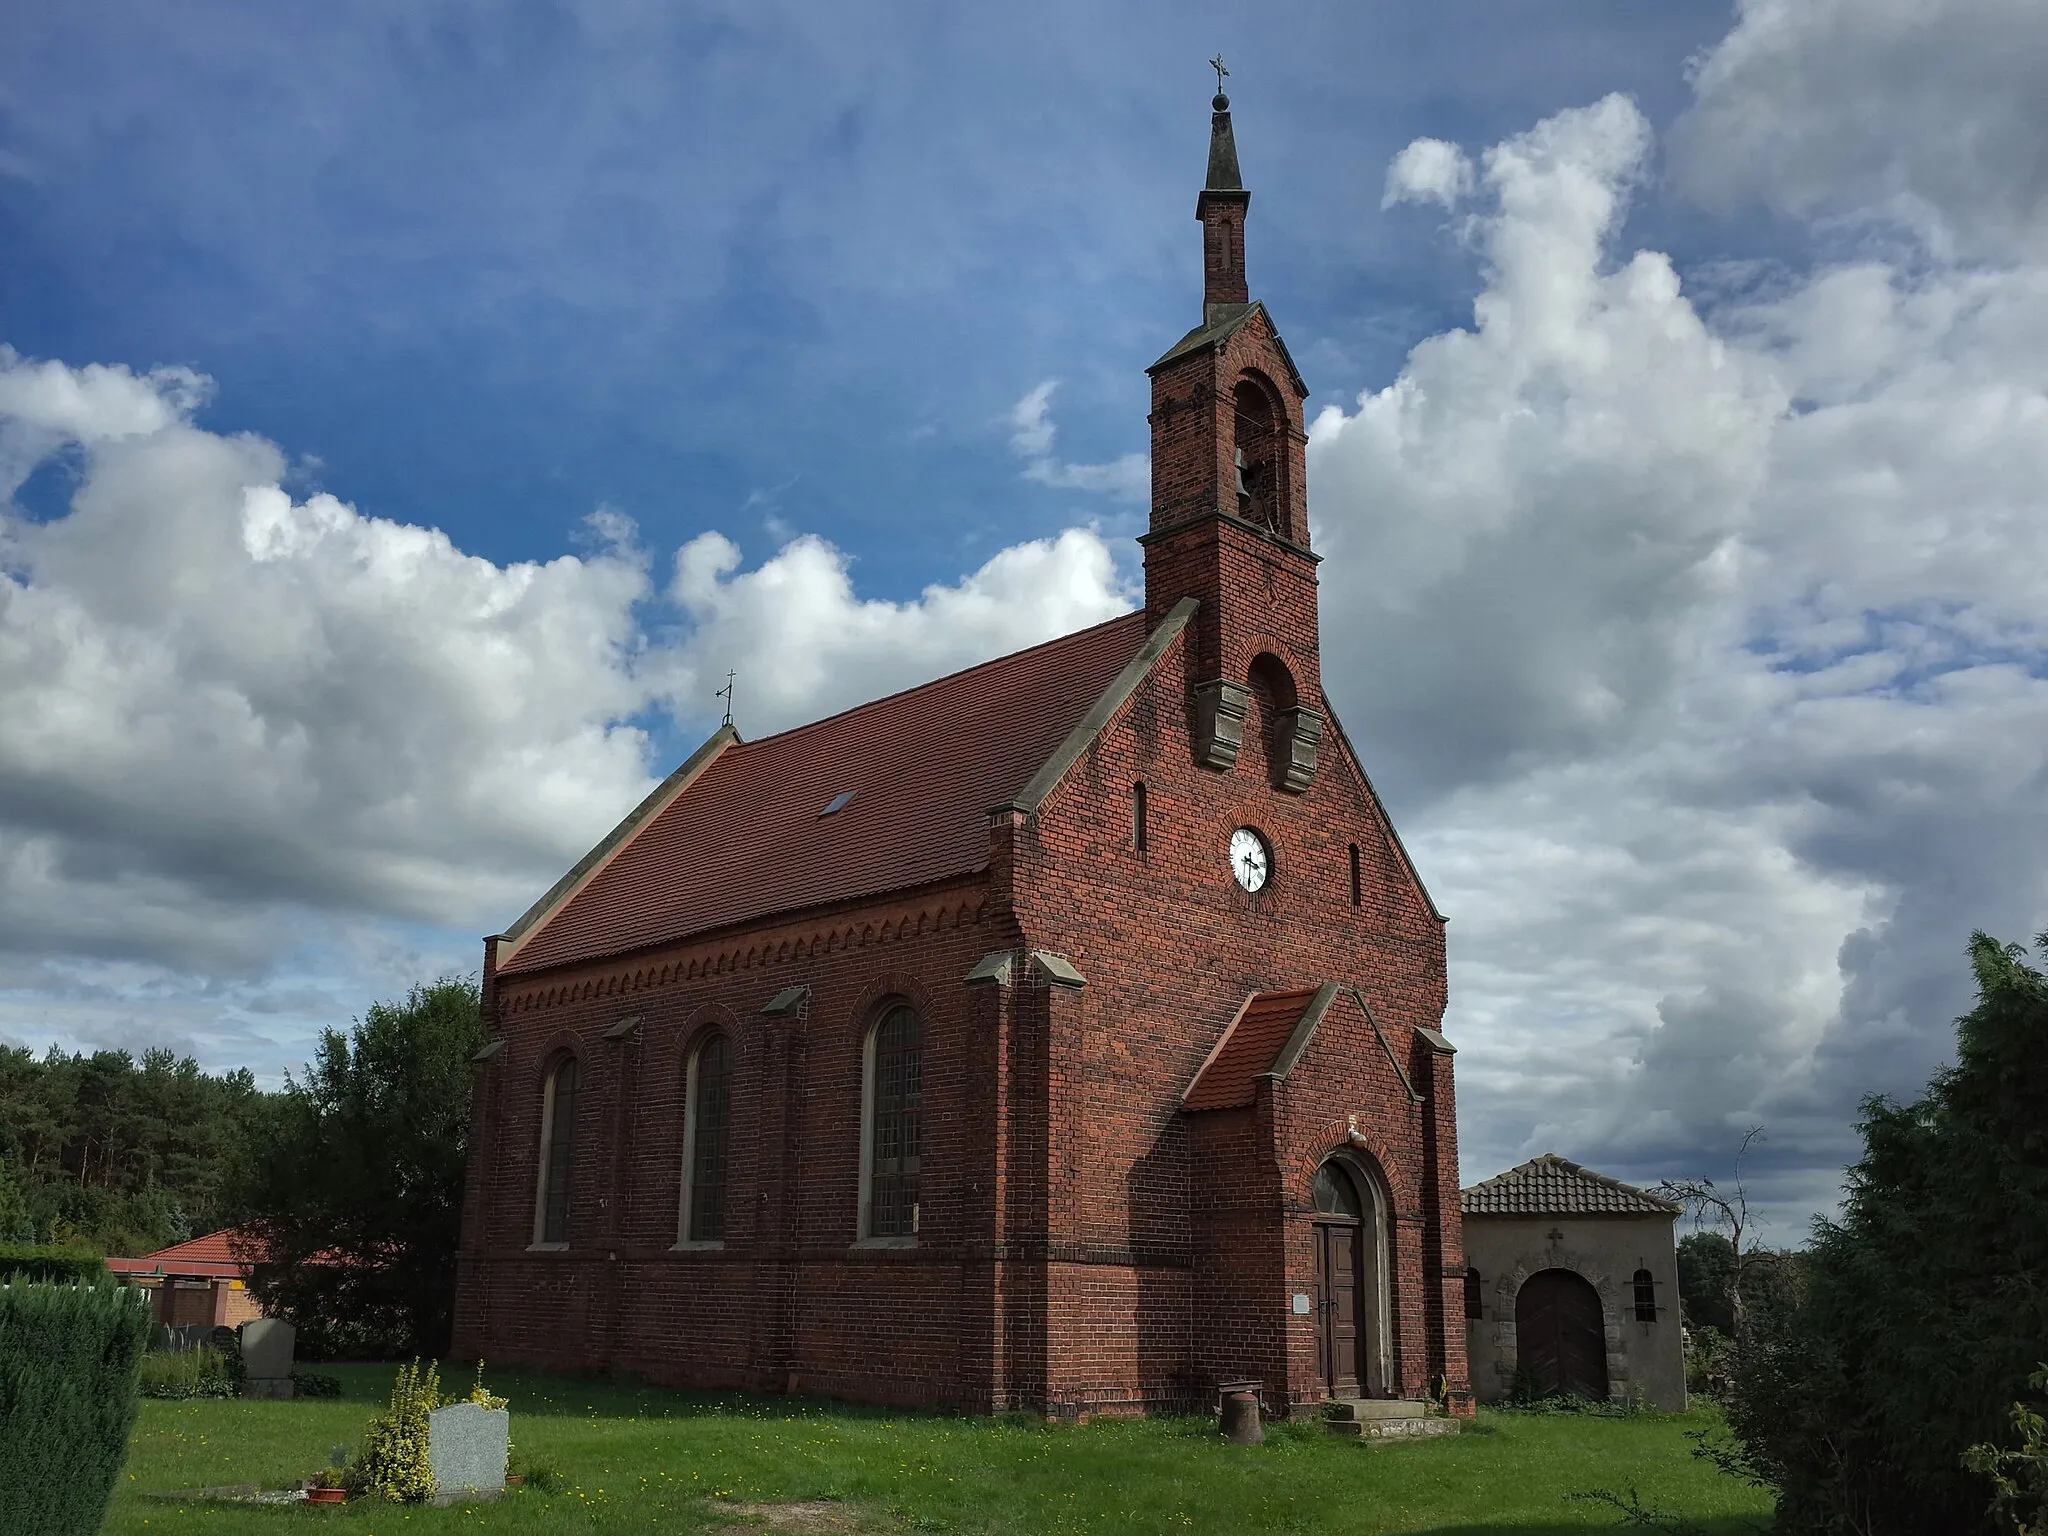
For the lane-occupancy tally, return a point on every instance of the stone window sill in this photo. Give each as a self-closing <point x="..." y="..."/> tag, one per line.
<point x="547" y="1247"/>
<point x="885" y="1242"/>
<point x="712" y="1245"/>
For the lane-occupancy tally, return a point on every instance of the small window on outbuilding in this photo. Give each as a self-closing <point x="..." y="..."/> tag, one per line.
<point x="1646" y="1297"/>
<point x="1474" y="1307"/>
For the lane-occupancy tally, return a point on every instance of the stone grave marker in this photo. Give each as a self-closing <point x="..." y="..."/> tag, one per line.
<point x="267" y="1345"/>
<point x="467" y="1445"/>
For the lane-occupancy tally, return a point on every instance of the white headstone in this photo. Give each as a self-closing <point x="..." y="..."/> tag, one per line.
<point x="467" y="1446"/>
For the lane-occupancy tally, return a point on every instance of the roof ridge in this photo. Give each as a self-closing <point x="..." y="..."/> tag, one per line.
<point x="933" y="682"/>
<point x="1526" y="1175"/>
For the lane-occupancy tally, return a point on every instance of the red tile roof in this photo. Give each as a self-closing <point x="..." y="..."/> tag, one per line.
<point x="208" y="1255"/>
<point x="745" y="839"/>
<point x="1555" y="1186"/>
<point x="1249" y="1046"/>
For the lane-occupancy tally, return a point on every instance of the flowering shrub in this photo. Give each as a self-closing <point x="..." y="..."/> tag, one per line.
<point x="480" y="1394"/>
<point x="393" y="1462"/>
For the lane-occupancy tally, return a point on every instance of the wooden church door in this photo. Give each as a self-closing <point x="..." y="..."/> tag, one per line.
<point x="1560" y="1344"/>
<point x="1338" y="1330"/>
<point x="1348" y="1279"/>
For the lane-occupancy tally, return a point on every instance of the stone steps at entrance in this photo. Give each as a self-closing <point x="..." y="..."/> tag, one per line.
<point x="1372" y="1418"/>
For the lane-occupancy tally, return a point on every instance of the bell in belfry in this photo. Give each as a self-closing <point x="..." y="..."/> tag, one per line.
<point x="1244" y="494"/>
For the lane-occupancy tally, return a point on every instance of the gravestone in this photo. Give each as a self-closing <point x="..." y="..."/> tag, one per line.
<point x="467" y="1446"/>
<point x="267" y="1357"/>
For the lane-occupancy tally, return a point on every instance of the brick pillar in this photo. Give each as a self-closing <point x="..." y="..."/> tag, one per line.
<point x="768" y="1362"/>
<point x="1447" y="1227"/>
<point x="984" y="1343"/>
<point x="1026" y="1192"/>
<point x="622" y="1068"/>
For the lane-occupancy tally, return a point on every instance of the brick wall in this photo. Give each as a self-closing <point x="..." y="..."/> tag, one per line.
<point x="1170" y="947"/>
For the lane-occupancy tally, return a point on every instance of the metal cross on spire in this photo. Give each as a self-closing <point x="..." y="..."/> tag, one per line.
<point x="1217" y="65"/>
<point x="725" y="693"/>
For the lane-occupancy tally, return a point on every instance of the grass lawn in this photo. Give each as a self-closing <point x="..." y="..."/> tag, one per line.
<point x="632" y="1458"/>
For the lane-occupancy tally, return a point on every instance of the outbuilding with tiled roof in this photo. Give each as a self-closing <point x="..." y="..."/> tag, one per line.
<point x="202" y="1282"/>
<point x="1572" y="1286"/>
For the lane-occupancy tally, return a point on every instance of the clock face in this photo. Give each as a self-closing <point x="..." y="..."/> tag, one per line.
<point x="1251" y="861"/>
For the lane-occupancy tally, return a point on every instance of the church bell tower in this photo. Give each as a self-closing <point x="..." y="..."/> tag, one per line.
<point x="1230" y="504"/>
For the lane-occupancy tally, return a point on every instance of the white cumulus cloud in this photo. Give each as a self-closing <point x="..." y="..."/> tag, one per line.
<point x="1032" y="432"/>
<point x="254" y="736"/>
<point x="1707" y="650"/>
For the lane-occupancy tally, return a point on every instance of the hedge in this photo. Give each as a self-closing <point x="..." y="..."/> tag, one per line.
<point x="69" y="1355"/>
<point x="39" y="1261"/>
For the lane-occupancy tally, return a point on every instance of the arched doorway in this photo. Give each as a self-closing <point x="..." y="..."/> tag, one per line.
<point x="1560" y="1344"/>
<point x="1350" y="1251"/>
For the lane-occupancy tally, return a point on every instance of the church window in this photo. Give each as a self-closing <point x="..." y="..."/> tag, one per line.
<point x="1357" y="881"/>
<point x="1138" y="827"/>
<point x="895" y="1116"/>
<point x="557" y="1153"/>
<point x="1646" y="1297"/>
<point x="710" y="1133"/>
<point x="1474" y="1308"/>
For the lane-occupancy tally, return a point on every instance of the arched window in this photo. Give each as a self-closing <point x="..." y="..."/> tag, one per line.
<point x="1475" y="1309"/>
<point x="1334" y="1194"/>
<point x="557" y="1153"/>
<point x="710" y="1132"/>
<point x="1139" y="831"/>
<point x="1646" y="1297"/>
<point x="1273" y="701"/>
<point x="895" y="1125"/>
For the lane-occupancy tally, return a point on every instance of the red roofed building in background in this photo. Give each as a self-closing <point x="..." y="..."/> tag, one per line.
<point x="1059" y="1035"/>
<point x="196" y="1282"/>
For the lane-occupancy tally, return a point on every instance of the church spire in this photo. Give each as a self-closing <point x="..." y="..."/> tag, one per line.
<point x="1221" y="208"/>
<point x="1230" y="507"/>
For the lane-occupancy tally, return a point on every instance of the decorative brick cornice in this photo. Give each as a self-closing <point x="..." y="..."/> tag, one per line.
<point x="945" y="911"/>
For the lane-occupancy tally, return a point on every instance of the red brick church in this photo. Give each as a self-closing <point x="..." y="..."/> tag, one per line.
<point x="1057" y="1035"/>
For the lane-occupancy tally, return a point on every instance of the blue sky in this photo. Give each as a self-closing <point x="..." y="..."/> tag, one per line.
<point x="494" y="266"/>
<point x="411" y="412"/>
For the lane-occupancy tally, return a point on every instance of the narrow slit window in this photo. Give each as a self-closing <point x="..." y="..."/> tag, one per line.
<point x="1138" y="808"/>
<point x="1357" y="879"/>
<point x="1646" y="1297"/>
<point x="557" y="1153"/>
<point x="1474" y="1299"/>
<point x="710" y="1140"/>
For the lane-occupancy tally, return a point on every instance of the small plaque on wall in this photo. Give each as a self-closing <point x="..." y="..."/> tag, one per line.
<point x="1300" y="1305"/>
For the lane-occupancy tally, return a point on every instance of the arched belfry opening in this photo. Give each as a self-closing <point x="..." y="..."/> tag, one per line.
<point x="1260" y="430"/>
<point x="1288" y="734"/>
<point x="1274" y="704"/>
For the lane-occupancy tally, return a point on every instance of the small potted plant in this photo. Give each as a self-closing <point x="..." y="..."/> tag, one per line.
<point x="325" y="1488"/>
